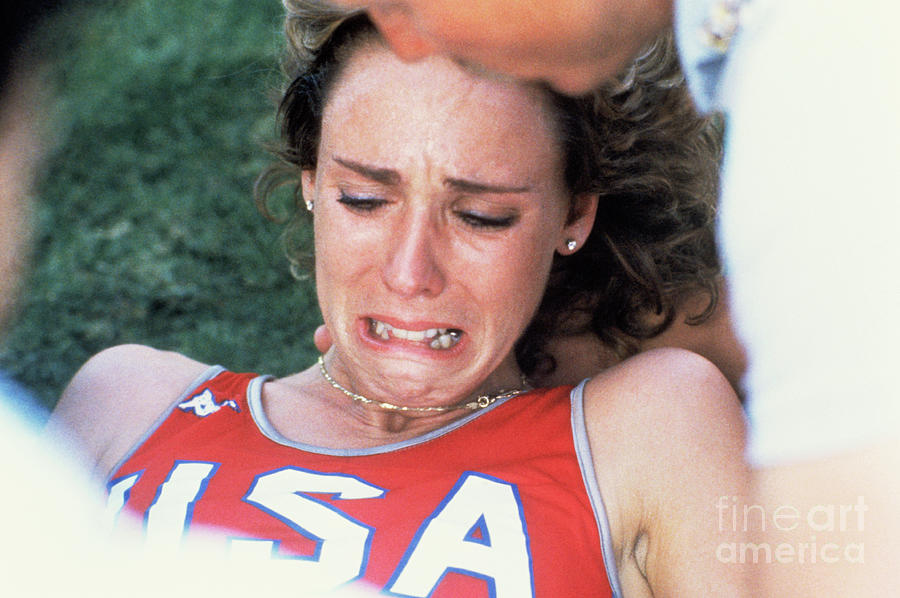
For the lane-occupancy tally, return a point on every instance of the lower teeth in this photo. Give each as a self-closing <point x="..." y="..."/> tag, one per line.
<point x="441" y="341"/>
<point x="445" y="341"/>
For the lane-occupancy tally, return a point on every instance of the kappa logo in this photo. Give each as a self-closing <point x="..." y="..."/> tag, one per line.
<point x="205" y="404"/>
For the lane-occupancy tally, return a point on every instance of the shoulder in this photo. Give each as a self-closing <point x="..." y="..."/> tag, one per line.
<point x="668" y="381"/>
<point x="117" y="395"/>
<point x="667" y="439"/>
<point x="134" y="367"/>
<point x="714" y="338"/>
<point x="673" y="404"/>
<point x="670" y="410"/>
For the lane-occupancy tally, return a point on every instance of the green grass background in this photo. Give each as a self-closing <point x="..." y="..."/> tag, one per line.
<point x="146" y="229"/>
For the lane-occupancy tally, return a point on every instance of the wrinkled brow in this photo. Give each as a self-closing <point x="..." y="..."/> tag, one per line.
<point x="387" y="176"/>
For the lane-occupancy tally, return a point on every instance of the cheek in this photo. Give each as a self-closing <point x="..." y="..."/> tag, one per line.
<point x="516" y="284"/>
<point x="339" y="258"/>
<point x="342" y="247"/>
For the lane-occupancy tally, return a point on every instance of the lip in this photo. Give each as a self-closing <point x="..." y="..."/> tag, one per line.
<point x="404" y="346"/>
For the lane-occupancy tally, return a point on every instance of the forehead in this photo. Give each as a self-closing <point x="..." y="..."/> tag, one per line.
<point x="382" y="105"/>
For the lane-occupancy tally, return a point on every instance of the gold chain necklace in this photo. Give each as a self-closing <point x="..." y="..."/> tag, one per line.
<point x="480" y="402"/>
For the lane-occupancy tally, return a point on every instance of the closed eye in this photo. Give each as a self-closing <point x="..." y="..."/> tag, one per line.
<point x="361" y="204"/>
<point x="481" y="221"/>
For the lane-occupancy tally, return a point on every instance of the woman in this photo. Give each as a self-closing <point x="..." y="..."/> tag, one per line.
<point x="414" y="456"/>
<point x="655" y="274"/>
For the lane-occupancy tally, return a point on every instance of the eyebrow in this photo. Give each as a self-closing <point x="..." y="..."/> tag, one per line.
<point x="475" y="187"/>
<point x="386" y="176"/>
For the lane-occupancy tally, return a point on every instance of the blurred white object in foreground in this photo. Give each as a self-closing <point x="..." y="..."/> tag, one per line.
<point x="55" y="545"/>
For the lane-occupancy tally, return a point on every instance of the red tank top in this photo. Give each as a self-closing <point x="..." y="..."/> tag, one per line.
<point x="500" y="503"/>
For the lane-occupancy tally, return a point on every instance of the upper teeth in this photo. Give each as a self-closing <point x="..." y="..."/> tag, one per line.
<point x="441" y="338"/>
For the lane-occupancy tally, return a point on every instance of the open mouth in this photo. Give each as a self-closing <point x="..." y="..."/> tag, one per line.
<point x="436" y="338"/>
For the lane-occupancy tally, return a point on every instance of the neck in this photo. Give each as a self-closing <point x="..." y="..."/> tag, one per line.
<point x="350" y="424"/>
<point x="379" y="415"/>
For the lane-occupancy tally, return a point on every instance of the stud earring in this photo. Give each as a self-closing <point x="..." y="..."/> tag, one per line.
<point x="571" y="244"/>
<point x="309" y="205"/>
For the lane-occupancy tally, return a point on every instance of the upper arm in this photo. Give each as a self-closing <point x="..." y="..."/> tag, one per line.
<point x="672" y="424"/>
<point x="115" y="397"/>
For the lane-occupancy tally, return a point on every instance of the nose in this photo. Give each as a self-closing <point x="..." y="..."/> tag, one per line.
<point x="399" y="28"/>
<point x="411" y="267"/>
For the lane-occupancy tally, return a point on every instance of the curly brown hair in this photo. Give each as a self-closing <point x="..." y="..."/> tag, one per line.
<point x="637" y="142"/>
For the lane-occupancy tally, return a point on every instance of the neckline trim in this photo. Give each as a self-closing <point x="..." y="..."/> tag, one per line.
<point x="258" y="414"/>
